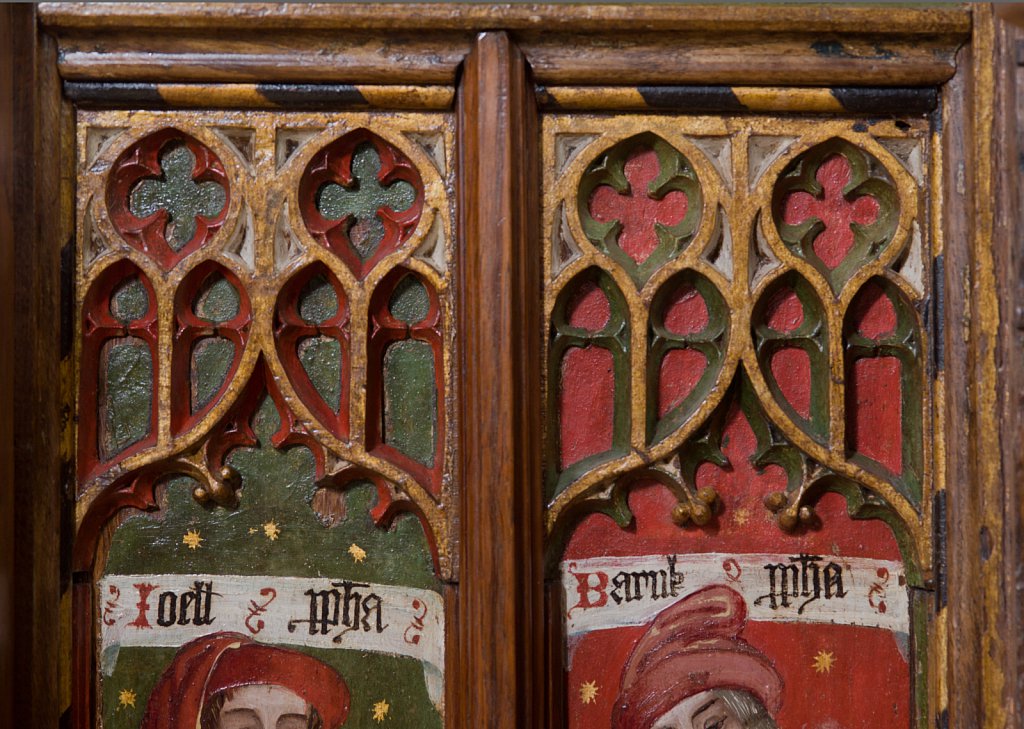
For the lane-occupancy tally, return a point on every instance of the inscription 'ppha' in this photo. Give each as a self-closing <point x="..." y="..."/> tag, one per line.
<point x="804" y="579"/>
<point x="346" y="609"/>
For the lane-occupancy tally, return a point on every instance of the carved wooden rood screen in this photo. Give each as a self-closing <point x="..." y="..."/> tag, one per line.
<point x="266" y="348"/>
<point x="480" y="383"/>
<point x="738" y="417"/>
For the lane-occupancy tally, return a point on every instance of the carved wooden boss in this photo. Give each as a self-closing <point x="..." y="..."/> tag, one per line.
<point x="590" y="374"/>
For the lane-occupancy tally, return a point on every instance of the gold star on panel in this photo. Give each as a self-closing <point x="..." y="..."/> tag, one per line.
<point x="127" y="698"/>
<point x="380" y="710"/>
<point x="357" y="552"/>
<point x="253" y="530"/>
<point x="192" y="539"/>
<point x="272" y="530"/>
<point x="823" y="662"/>
<point x="742" y="516"/>
<point x="588" y="692"/>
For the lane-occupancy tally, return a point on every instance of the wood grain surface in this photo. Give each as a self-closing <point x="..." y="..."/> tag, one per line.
<point x="499" y="259"/>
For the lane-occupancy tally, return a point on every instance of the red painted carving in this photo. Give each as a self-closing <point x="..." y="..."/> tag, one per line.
<point x="191" y="328"/>
<point x="333" y="164"/>
<point x="833" y="209"/>
<point x="636" y="211"/>
<point x="385" y="329"/>
<point x="98" y="327"/>
<point x="141" y="161"/>
<point x="291" y="329"/>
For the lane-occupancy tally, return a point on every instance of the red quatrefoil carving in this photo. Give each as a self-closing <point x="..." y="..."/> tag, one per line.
<point x="167" y="194"/>
<point x="361" y="198"/>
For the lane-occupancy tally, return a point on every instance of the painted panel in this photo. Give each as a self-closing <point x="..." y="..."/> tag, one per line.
<point x="264" y="459"/>
<point x="739" y="388"/>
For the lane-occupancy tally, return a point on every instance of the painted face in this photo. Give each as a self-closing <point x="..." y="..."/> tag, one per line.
<point x="263" y="707"/>
<point x="701" y="711"/>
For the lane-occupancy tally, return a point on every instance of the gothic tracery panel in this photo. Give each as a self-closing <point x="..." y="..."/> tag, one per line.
<point x="264" y="416"/>
<point x="738" y="357"/>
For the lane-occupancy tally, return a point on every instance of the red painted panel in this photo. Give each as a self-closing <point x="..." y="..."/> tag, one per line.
<point x="686" y="312"/>
<point x="681" y="369"/>
<point x="874" y="313"/>
<point x="588" y="308"/>
<point x="868" y="683"/>
<point x="791" y="368"/>
<point x="875" y="407"/>
<point x="785" y="313"/>
<point x="636" y="211"/>
<point x="833" y="209"/>
<point x="586" y="404"/>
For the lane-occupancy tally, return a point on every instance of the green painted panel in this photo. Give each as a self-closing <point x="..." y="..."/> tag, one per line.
<point x="318" y="301"/>
<point x="129" y="301"/>
<point x="182" y="197"/>
<point x="218" y="301"/>
<point x="363" y="198"/>
<point x="321" y="358"/>
<point x="275" y="531"/>
<point x="128" y="394"/>
<point x="410" y="302"/>
<point x="410" y="400"/>
<point x="277" y="487"/>
<point x="211" y="360"/>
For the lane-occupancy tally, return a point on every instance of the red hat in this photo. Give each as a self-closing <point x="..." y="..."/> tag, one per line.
<point x="691" y="647"/>
<point x="221" y="661"/>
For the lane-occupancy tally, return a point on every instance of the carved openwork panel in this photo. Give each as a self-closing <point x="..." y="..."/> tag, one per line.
<point x="265" y="339"/>
<point x="740" y="396"/>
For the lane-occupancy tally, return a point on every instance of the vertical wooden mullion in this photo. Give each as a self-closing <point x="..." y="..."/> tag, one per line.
<point x="33" y="152"/>
<point x="500" y="638"/>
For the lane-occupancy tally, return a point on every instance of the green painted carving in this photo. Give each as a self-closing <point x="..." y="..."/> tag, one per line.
<point x="860" y="207"/>
<point x="218" y="301"/>
<point x="321" y="358"/>
<point x="903" y="343"/>
<point x="710" y="341"/>
<point x="179" y="194"/>
<point x="278" y="488"/>
<point x="318" y="301"/>
<point x="410" y="400"/>
<point x="363" y="199"/>
<point x="810" y="336"/>
<point x="613" y="336"/>
<point x="410" y="302"/>
<point x="128" y="394"/>
<point x="211" y="360"/>
<point x="129" y="301"/>
<point x="674" y="174"/>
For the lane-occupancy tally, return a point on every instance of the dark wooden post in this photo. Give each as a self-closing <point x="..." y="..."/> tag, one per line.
<point x="499" y="260"/>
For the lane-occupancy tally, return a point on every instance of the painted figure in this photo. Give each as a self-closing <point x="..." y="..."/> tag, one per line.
<point x="227" y="681"/>
<point x="691" y="670"/>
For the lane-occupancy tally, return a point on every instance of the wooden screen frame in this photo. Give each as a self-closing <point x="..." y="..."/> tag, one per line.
<point x="59" y="56"/>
